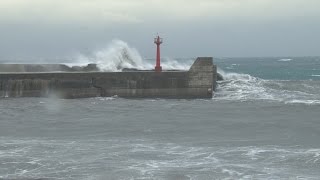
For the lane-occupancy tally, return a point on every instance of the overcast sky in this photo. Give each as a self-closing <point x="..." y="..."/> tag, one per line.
<point x="190" y="28"/>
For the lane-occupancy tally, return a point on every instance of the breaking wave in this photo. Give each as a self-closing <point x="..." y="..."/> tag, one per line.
<point x="240" y="87"/>
<point x="245" y="87"/>
<point x="119" y="55"/>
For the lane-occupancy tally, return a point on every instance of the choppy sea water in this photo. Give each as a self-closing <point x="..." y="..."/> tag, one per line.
<point x="262" y="123"/>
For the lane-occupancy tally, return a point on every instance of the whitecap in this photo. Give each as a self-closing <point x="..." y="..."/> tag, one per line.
<point x="284" y="60"/>
<point x="230" y="67"/>
<point x="107" y="98"/>
<point x="231" y="172"/>
<point x="307" y="102"/>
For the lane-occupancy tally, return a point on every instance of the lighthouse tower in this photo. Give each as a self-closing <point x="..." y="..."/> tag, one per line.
<point x="158" y="41"/>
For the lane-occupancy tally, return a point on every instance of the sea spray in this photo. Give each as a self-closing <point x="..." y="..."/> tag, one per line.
<point x="116" y="56"/>
<point x="172" y="64"/>
<point x="119" y="55"/>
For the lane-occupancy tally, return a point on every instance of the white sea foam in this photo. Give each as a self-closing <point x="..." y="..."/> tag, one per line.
<point x="107" y="98"/>
<point x="231" y="173"/>
<point x="147" y="158"/>
<point x="245" y="87"/>
<point x="315" y="75"/>
<point x="221" y="160"/>
<point x="240" y="87"/>
<point x="284" y="60"/>
<point x="308" y="102"/>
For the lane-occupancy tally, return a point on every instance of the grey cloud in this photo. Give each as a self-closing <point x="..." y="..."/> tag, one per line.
<point x="203" y="27"/>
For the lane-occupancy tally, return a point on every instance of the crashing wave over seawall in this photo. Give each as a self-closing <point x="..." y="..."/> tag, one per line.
<point x="119" y="55"/>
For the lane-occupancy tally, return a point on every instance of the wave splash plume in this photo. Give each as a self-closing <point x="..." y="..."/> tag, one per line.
<point x="118" y="55"/>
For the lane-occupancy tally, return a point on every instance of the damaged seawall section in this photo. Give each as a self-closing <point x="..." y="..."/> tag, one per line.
<point x="198" y="82"/>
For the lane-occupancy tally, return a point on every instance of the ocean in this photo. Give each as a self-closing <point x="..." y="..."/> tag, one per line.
<point x="262" y="123"/>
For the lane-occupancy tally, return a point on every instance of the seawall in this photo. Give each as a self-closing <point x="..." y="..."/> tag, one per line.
<point x="198" y="82"/>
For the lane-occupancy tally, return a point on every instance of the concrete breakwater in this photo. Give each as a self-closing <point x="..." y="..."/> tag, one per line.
<point x="15" y="68"/>
<point x="198" y="82"/>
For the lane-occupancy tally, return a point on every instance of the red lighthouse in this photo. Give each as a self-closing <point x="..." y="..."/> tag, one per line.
<point x="158" y="41"/>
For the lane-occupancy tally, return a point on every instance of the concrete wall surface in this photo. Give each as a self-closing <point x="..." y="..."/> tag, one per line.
<point x="198" y="82"/>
